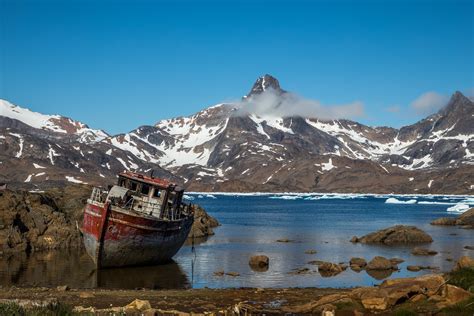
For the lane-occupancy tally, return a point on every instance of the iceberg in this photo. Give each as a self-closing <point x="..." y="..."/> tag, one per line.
<point x="210" y="196"/>
<point x="286" y="197"/>
<point x="188" y="197"/>
<point x="460" y="208"/>
<point x="436" y="203"/>
<point x="397" y="201"/>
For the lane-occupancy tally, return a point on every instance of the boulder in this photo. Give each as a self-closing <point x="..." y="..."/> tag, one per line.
<point x="137" y="304"/>
<point x="413" y="268"/>
<point x="233" y="274"/>
<point x="444" y="221"/>
<point x="371" y="298"/>
<point x="259" y="262"/>
<point x="381" y="263"/>
<point x="358" y="262"/>
<point x="394" y="235"/>
<point x="464" y="262"/>
<point x="327" y="269"/>
<point x="454" y="295"/>
<point x="466" y="218"/>
<point x="417" y="251"/>
<point x="203" y="224"/>
<point x="429" y="284"/>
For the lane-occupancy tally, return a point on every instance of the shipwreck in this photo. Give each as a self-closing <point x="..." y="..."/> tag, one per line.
<point x="140" y="221"/>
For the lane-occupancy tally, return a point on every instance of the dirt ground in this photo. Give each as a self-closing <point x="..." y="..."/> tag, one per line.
<point x="193" y="300"/>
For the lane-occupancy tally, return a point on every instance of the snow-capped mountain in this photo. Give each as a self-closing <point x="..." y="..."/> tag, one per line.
<point x="38" y="149"/>
<point x="10" y="113"/>
<point x="256" y="145"/>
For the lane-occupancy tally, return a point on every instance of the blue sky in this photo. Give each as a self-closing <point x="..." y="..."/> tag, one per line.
<point x="120" y="64"/>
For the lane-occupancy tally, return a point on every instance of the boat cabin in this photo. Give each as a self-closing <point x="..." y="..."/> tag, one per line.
<point x="146" y="194"/>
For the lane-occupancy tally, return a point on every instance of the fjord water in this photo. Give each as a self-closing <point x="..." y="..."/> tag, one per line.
<point x="251" y="225"/>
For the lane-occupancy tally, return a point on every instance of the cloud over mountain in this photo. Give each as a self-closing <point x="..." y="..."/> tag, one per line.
<point x="274" y="103"/>
<point x="429" y="102"/>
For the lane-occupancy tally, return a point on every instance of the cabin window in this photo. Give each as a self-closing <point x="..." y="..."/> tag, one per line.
<point x="121" y="182"/>
<point x="145" y="189"/>
<point x="157" y="193"/>
<point x="133" y="186"/>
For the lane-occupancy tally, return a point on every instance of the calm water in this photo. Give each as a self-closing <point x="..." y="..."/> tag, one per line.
<point x="251" y="225"/>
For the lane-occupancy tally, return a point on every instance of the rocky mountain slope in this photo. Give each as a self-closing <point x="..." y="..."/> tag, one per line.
<point x="251" y="145"/>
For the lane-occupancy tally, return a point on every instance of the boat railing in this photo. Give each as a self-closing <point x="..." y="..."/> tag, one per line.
<point x="97" y="195"/>
<point x="155" y="209"/>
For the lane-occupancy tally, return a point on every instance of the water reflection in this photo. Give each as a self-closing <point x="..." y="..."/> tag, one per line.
<point x="165" y="276"/>
<point x="75" y="269"/>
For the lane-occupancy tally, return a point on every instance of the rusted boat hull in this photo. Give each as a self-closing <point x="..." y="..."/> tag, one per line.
<point x="114" y="237"/>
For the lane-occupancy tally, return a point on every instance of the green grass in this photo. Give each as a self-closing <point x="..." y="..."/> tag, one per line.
<point x="464" y="308"/>
<point x="463" y="278"/>
<point x="342" y="306"/>
<point x="404" y="312"/>
<point x="12" y="309"/>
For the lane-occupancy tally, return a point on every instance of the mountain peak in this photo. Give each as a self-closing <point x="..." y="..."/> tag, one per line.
<point x="458" y="101"/>
<point x="264" y="83"/>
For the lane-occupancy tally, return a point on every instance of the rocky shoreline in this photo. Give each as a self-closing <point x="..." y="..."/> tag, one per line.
<point x="433" y="294"/>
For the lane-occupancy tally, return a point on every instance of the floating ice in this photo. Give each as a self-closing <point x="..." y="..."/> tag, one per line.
<point x="397" y="201"/>
<point x="460" y="208"/>
<point x="436" y="203"/>
<point x="188" y="197"/>
<point x="286" y="197"/>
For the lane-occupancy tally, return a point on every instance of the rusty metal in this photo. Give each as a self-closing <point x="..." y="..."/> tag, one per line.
<point x="127" y="228"/>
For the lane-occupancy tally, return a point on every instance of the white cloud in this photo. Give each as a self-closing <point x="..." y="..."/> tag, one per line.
<point x="273" y="104"/>
<point x="429" y="102"/>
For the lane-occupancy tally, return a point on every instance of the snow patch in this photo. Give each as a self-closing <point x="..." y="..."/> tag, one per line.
<point x="74" y="180"/>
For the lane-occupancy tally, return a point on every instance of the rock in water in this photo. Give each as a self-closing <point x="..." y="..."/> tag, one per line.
<point x="394" y="235"/>
<point x="203" y="224"/>
<point x="413" y="268"/>
<point x="381" y="263"/>
<point x="423" y="252"/>
<point x="445" y="221"/>
<point x="358" y="262"/>
<point x="466" y="219"/>
<point x="259" y="262"/>
<point x="327" y="269"/>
